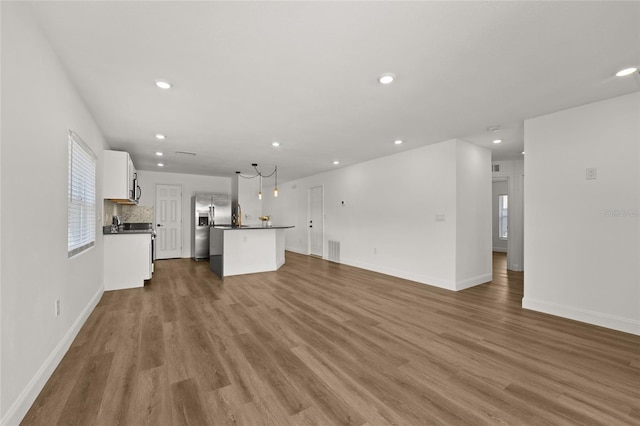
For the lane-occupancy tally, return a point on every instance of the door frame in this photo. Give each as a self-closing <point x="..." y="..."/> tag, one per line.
<point x="309" y="218"/>
<point x="507" y="180"/>
<point x="155" y="215"/>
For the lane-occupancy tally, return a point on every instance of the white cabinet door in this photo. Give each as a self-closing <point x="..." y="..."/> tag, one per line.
<point x="168" y="221"/>
<point x="117" y="176"/>
<point x="127" y="260"/>
<point x="131" y="173"/>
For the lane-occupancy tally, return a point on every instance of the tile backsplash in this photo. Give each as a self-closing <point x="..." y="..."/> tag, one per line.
<point x="128" y="214"/>
<point x="110" y="209"/>
<point x="137" y="214"/>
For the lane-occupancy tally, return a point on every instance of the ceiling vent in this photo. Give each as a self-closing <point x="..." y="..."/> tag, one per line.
<point x="495" y="168"/>
<point x="186" y="153"/>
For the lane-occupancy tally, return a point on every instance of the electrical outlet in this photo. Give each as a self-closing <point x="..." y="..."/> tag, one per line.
<point x="440" y="217"/>
<point x="57" y="307"/>
<point x="592" y="173"/>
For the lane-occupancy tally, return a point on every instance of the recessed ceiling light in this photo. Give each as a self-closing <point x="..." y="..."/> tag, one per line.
<point x="163" y="84"/>
<point x="336" y="162"/>
<point x="386" y="78"/>
<point x="626" y="71"/>
<point x="397" y="142"/>
<point x="159" y="136"/>
<point x="159" y="154"/>
<point x="522" y="152"/>
<point x="497" y="141"/>
<point x="160" y="165"/>
<point x="275" y="143"/>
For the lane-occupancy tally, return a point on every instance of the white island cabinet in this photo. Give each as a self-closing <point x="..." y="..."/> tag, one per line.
<point x="127" y="260"/>
<point x="246" y="250"/>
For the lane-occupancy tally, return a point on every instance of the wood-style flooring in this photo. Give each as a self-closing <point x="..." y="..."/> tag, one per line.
<point x="319" y="343"/>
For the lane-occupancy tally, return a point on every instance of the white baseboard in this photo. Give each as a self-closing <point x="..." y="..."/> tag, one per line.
<point x="614" y="322"/>
<point x="296" y="250"/>
<point x="473" y="281"/>
<point x="419" y="278"/>
<point x="20" y="407"/>
<point x="515" y="267"/>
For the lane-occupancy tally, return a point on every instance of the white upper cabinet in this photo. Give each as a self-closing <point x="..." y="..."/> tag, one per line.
<point x="119" y="180"/>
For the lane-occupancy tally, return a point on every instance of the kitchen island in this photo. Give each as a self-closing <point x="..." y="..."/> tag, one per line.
<point x="246" y="250"/>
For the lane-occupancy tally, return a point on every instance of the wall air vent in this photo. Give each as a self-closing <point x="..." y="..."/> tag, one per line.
<point x="495" y="168"/>
<point x="334" y="251"/>
<point x="186" y="153"/>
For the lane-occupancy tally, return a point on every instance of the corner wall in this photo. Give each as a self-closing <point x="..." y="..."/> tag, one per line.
<point x="399" y="212"/>
<point x="39" y="106"/>
<point x="474" y="263"/>
<point x="582" y="236"/>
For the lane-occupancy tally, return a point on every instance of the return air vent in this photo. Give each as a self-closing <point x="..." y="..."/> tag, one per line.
<point x="186" y="153"/>
<point x="495" y="168"/>
<point x="334" y="251"/>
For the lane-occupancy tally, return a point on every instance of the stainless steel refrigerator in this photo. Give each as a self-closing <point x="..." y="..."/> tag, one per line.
<point x="207" y="210"/>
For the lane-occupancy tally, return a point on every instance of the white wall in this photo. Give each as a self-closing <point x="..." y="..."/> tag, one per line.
<point x="499" y="188"/>
<point x="514" y="172"/>
<point x="248" y="198"/>
<point x="39" y="105"/>
<point x="473" y="215"/>
<point x="2" y="411"/>
<point x="191" y="184"/>
<point x="388" y="220"/>
<point x="582" y="245"/>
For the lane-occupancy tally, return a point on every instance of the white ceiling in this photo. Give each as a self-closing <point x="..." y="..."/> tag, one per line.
<point x="305" y="74"/>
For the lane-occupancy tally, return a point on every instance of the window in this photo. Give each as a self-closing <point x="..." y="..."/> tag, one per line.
<point x="81" y="209"/>
<point x="503" y="216"/>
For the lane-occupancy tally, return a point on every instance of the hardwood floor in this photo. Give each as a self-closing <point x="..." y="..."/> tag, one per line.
<point x="322" y="343"/>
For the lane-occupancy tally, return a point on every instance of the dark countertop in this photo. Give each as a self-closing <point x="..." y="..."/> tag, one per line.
<point x="250" y="227"/>
<point x="123" y="232"/>
<point x="134" y="228"/>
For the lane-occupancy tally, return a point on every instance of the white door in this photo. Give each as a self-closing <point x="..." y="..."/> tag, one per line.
<point x="168" y="221"/>
<point x="316" y="221"/>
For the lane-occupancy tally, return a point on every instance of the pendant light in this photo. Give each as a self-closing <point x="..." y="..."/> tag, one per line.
<point x="261" y="175"/>
<point x="275" y="189"/>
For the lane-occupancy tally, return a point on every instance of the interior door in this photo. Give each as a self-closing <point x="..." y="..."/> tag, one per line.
<point x="168" y="221"/>
<point x="316" y="221"/>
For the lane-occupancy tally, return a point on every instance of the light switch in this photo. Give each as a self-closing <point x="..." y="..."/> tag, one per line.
<point x="592" y="173"/>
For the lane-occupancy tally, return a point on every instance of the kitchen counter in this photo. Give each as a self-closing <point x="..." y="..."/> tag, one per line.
<point x="106" y="230"/>
<point x="249" y="227"/>
<point x="128" y="260"/>
<point x="246" y="250"/>
<point x="129" y="231"/>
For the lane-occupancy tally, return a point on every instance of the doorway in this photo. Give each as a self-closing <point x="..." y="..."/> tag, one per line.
<point x="316" y="221"/>
<point x="500" y="215"/>
<point x="168" y="218"/>
<point x="500" y="224"/>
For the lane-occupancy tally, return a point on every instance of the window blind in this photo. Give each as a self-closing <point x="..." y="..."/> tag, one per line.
<point x="81" y="211"/>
